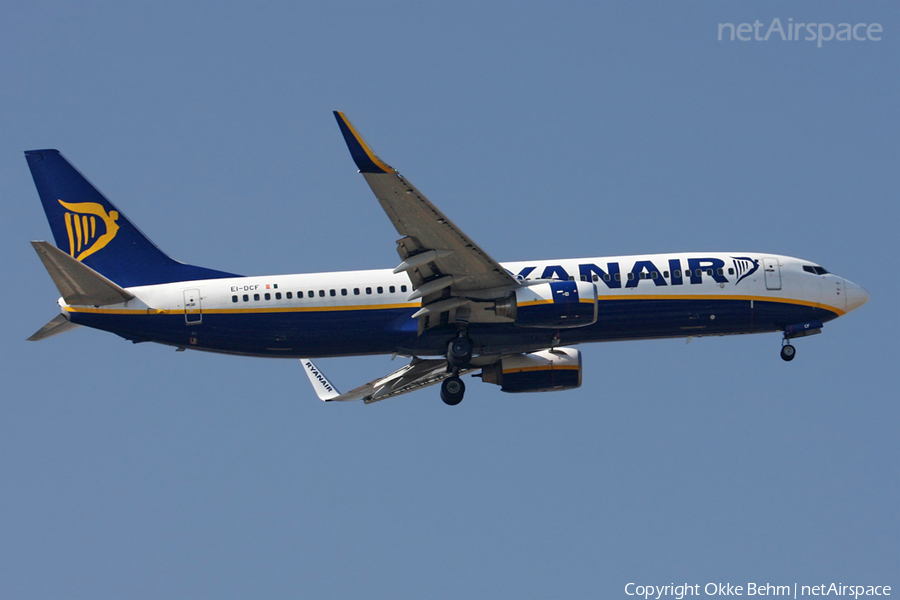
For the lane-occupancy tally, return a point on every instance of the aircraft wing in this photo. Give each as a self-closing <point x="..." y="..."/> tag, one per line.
<point x="443" y="262"/>
<point x="418" y="374"/>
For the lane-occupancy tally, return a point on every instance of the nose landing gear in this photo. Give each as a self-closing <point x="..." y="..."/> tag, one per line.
<point x="788" y="352"/>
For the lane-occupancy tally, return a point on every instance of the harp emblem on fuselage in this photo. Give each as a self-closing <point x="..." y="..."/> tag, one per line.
<point x="89" y="227"/>
<point x="744" y="266"/>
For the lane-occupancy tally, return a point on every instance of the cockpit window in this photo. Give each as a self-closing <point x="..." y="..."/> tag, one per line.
<point x="814" y="270"/>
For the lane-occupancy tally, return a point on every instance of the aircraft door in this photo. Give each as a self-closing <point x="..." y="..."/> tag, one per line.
<point x="192" y="312"/>
<point x="773" y="273"/>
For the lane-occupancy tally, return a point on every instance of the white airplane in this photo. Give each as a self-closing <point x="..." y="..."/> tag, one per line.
<point x="448" y="306"/>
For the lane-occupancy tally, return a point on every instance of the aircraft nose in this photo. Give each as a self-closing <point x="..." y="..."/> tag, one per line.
<point x="856" y="296"/>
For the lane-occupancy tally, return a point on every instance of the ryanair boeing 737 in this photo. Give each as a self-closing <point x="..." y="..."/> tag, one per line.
<point x="448" y="306"/>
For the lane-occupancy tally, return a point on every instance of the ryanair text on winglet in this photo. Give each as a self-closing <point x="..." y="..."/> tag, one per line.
<point x="318" y="376"/>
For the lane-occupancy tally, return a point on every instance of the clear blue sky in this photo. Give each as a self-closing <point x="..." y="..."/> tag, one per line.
<point x="544" y="130"/>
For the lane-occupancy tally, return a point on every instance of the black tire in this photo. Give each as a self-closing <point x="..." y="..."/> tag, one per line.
<point x="788" y="352"/>
<point x="452" y="391"/>
<point x="459" y="352"/>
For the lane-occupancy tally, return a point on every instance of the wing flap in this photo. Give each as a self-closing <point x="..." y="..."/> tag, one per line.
<point x="426" y="228"/>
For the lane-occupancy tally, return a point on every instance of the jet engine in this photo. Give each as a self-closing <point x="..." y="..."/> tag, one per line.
<point x="542" y="371"/>
<point x="551" y="305"/>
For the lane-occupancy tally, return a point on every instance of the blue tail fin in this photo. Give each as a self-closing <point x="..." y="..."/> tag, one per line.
<point x="93" y="231"/>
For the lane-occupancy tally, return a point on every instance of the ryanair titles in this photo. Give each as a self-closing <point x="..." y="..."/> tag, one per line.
<point x="673" y="272"/>
<point x="319" y="377"/>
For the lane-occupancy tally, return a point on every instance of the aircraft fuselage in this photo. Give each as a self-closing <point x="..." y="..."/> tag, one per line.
<point x="367" y="312"/>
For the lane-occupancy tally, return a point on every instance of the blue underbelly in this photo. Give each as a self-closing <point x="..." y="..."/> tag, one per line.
<point x="383" y="331"/>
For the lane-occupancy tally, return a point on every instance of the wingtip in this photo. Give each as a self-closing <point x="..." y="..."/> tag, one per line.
<point x="366" y="160"/>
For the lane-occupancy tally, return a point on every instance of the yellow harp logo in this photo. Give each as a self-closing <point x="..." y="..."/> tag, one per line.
<point x="89" y="227"/>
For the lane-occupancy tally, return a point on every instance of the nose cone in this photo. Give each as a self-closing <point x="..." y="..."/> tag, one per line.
<point x="856" y="296"/>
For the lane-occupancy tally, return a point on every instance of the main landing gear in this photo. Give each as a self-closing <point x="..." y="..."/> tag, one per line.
<point x="459" y="353"/>
<point x="452" y="390"/>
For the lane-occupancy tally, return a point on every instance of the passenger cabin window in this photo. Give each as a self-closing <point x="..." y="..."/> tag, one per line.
<point x="332" y="293"/>
<point x="631" y="276"/>
<point x="234" y="298"/>
<point x="321" y="293"/>
<point x="256" y="297"/>
<point x="289" y="295"/>
<point x="368" y="290"/>
<point x="402" y="288"/>
<point x="278" y="295"/>
<point x="380" y="290"/>
<point x="356" y="291"/>
<point x="246" y="298"/>
<point x="344" y="292"/>
<point x="268" y="296"/>
<point x="392" y="289"/>
<point x="731" y="271"/>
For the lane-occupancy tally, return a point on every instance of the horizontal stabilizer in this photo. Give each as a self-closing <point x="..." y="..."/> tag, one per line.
<point x="58" y="325"/>
<point x="77" y="283"/>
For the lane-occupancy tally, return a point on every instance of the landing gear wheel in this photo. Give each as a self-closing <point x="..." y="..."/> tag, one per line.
<point x="459" y="352"/>
<point x="788" y="352"/>
<point x="452" y="390"/>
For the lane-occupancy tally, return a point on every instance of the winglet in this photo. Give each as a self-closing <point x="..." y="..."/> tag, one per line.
<point x="324" y="390"/>
<point x="366" y="160"/>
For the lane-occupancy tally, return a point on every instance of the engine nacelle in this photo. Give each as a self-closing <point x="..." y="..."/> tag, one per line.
<point x="543" y="371"/>
<point x="552" y="305"/>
